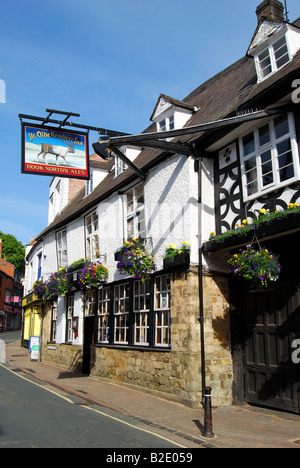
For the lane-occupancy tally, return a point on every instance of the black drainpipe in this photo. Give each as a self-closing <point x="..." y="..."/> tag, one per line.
<point x="198" y="168"/>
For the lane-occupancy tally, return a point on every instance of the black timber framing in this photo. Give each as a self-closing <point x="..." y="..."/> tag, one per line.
<point x="153" y="139"/>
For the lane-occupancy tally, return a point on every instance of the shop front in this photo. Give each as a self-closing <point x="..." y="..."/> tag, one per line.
<point x="32" y="316"/>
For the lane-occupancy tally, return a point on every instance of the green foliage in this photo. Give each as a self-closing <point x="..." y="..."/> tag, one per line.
<point x="264" y="218"/>
<point x="13" y="250"/>
<point x="135" y="261"/>
<point x="172" y="251"/>
<point x="260" y="267"/>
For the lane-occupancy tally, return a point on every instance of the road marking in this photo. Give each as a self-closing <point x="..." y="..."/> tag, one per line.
<point x="134" y="427"/>
<point x="95" y="410"/>
<point x="36" y="384"/>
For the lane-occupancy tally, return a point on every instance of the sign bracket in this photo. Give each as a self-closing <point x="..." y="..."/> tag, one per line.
<point x="67" y="123"/>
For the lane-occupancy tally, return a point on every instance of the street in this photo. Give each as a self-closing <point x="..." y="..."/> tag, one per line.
<point x="36" y="415"/>
<point x="32" y="417"/>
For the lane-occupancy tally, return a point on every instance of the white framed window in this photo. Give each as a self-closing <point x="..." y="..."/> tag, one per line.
<point x="54" y="321"/>
<point x="270" y="157"/>
<point x="162" y="307"/>
<point x="166" y="124"/>
<point x="271" y="59"/>
<point x="92" y="237"/>
<point x="141" y="311"/>
<point x="121" y="313"/>
<point x="39" y="269"/>
<point x="70" y="315"/>
<point x="90" y="303"/>
<point x="120" y="166"/>
<point x="135" y="213"/>
<point x="61" y="247"/>
<point x="103" y="315"/>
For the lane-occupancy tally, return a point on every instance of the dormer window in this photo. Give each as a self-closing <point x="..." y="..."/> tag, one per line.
<point x="272" y="58"/>
<point x="131" y="152"/>
<point x="167" y="124"/>
<point x="275" y="42"/>
<point x="120" y="166"/>
<point x="270" y="157"/>
<point x="170" y="114"/>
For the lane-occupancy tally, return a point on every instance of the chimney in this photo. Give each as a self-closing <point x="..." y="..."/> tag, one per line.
<point x="270" y="10"/>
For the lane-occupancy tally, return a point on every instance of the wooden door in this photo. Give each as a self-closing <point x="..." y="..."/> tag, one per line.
<point x="270" y="324"/>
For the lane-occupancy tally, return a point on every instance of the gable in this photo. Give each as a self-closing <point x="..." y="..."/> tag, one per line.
<point x="264" y="32"/>
<point x="165" y="103"/>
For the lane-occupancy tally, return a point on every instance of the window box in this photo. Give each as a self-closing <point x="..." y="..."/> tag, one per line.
<point x="283" y="222"/>
<point x="73" y="274"/>
<point x="180" y="261"/>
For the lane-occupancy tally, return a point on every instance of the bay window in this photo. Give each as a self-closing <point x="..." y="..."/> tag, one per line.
<point x="141" y="313"/>
<point x="135" y="314"/>
<point x="270" y="157"/>
<point x="121" y="313"/>
<point x="162" y="310"/>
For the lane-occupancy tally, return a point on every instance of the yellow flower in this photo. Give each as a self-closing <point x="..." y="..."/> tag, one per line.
<point x="263" y="211"/>
<point x="172" y="246"/>
<point x="245" y="221"/>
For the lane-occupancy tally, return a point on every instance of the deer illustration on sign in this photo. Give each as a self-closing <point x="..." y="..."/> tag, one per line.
<point x="58" y="151"/>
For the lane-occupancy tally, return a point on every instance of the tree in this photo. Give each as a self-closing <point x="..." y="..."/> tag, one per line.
<point x="13" y="251"/>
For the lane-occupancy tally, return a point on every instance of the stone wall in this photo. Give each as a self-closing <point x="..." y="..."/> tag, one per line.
<point x="219" y="370"/>
<point x="174" y="373"/>
<point x="64" y="355"/>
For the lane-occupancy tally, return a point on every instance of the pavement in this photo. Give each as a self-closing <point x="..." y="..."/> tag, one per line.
<point x="233" y="427"/>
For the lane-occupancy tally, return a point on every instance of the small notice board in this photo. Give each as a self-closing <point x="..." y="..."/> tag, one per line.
<point x="34" y="347"/>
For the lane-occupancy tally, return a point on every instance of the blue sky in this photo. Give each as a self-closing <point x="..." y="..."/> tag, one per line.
<point x="107" y="61"/>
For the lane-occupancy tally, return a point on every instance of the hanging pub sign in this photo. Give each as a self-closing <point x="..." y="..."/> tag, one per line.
<point x="54" y="152"/>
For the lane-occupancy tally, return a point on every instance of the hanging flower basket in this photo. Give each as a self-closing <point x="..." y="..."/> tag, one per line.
<point x="92" y="276"/>
<point x="135" y="261"/>
<point x="57" y="285"/>
<point x="40" y="290"/>
<point x="259" y="267"/>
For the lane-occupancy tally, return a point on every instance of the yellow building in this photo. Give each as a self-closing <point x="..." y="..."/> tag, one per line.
<point x="32" y="317"/>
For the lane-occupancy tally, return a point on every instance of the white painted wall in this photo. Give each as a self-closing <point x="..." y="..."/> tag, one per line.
<point x="171" y="214"/>
<point x="171" y="206"/>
